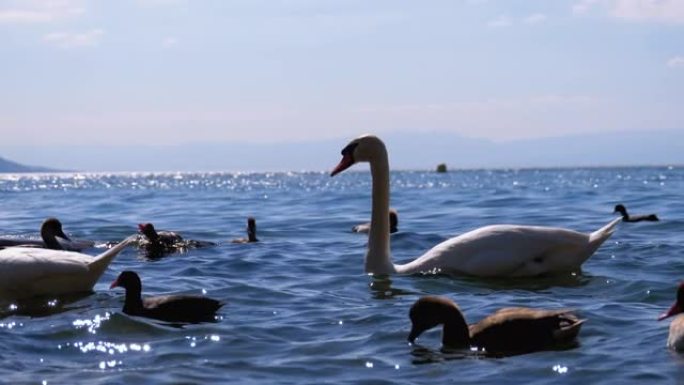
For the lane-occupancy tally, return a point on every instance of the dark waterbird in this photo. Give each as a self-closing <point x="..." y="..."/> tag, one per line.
<point x="394" y="222"/>
<point x="251" y="232"/>
<point x="169" y="308"/>
<point x="159" y="243"/>
<point x="620" y="208"/>
<point x="50" y="231"/>
<point x="509" y="331"/>
<point x="675" y="340"/>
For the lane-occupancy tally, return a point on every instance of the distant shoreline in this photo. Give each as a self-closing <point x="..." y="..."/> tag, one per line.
<point x="451" y="170"/>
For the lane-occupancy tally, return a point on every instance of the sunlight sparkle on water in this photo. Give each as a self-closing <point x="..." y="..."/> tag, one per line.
<point x="560" y="369"/>
<point x="93" y="324"/>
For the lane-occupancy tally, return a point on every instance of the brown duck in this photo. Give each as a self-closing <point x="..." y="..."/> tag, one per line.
<point x="622" y="210"/>
<point x="251" y="232"/>
<point x="508" y="331"/>
<point x="170" y="308"/>
<point x="50" y="231"/>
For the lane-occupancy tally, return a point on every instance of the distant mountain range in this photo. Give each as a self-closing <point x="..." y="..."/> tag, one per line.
<point x="406" y="151"/>
<point x="7" y="166"/>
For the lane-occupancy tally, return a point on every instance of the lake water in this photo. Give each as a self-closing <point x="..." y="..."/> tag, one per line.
<point x="301" y="310"/>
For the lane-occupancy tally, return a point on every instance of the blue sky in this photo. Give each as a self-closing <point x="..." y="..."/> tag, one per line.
<point x="169" y="72"/>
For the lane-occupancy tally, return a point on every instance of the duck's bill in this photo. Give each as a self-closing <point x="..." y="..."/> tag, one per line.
<point x="62" y="235"/>
<point x="413" y="335"/>
<point x="114" y="284"/>
<point x="344" y="164"/>
<point x="675" y="309"/>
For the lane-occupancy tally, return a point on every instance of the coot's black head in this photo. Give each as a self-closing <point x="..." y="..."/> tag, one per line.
<point x="619" y="208"/>
<point x="129" y="280"/>
<point x="147" y="229"/>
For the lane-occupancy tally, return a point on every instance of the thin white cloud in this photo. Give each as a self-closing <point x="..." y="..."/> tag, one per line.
<point x="667" y="11"/>
<point x="535" y="18"/>
<point x="169" y="42"/>
<point x="154" y="3"/>
<point x="676" y="62"/>
<point x="583" y="6"/>
<point x="654" y="11"/>
<point x="501" y="21"/>
<point x="72" y="39"/>
<point x="33" y="12"/>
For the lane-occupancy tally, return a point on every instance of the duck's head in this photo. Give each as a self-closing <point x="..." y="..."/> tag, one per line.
<point x="251" y="228"/>
<point x="361" y="149"/>
<point x="430" y="311"/>
<point x="393" y="218"/>
<point x="51" y="228"/>
<point x="619" y="208"/>
<point x="678" y="306"/>
<point x="129" y="280"/>
<point x="147" y="229"/>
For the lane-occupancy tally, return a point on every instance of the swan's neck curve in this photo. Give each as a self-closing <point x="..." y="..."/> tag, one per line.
<point x="378" y="259"/>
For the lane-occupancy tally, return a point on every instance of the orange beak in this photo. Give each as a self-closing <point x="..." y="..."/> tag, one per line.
<point x="344" y="164"/>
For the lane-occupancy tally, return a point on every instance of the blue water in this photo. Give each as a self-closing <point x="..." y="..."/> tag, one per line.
<point x="301" y="310"/>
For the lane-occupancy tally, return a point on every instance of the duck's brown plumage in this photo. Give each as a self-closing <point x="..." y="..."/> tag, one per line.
<point x="508" y="331"/>
<point x="170" y="308"/>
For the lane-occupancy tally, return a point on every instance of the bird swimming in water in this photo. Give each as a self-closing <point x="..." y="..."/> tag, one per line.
<point x="620" y="208"/>
<point x="251" y="232"/>
<point x="170" y="308"/>
<point x="508" y="331"/>
<point x="53" y="238"/>
<point x="158" y="243"/>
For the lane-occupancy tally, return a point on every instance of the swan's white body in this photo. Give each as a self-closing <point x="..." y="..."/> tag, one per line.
<point x="29" y="272"/>
<point x="675" y="340"/>
<point x="491" y="251"/>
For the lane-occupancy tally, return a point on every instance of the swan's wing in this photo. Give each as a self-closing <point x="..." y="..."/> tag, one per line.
<point x="22" y="268"/>
<point x="506" y="250"/>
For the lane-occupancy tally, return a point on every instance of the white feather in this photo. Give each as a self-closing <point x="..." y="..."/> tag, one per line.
<point x="28" y="272"/>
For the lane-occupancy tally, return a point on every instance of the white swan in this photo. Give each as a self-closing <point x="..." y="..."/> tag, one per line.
<point x="30" y="272"/>
<point x="491" y="251"/>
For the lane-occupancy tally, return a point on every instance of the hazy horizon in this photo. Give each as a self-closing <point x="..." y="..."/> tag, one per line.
<point x="407" y="152"/>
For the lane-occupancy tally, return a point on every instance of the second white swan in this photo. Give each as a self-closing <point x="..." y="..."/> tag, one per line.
<point x="490" y="251"/>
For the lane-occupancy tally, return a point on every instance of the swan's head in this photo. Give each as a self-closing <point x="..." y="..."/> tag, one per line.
<point x="147" y="229"/>
<point x="620" y="209"/>
<point x="129" y="280"/>
<point x="431" y="311"/>
<point x="678" y="306"/>
<point x="51" y="228"/>
<point x="361" y="149"/>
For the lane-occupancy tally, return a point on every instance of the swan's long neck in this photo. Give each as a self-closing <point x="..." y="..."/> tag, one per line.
<point x="378" y="260"/>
